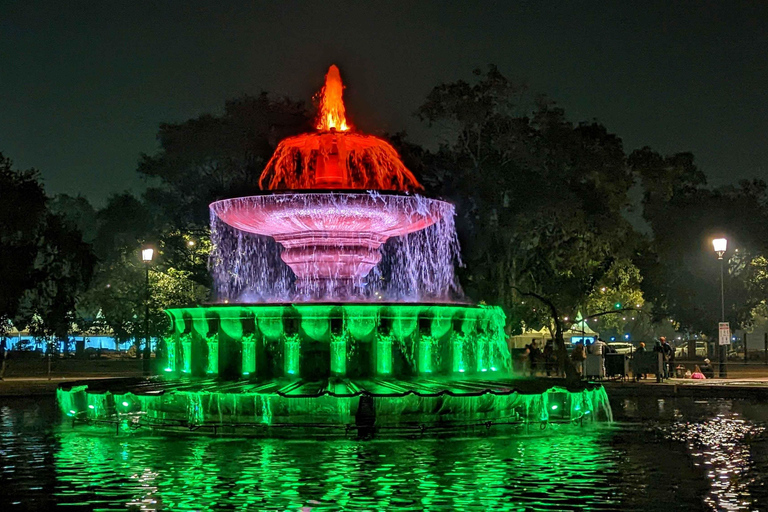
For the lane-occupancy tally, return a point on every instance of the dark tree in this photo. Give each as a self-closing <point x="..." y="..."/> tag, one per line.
<point x="123" y="224"/>
<point x="177" y="274"/>
<point x="680" y="267"/>
<point x="63" y="267"/>
<point x="77" y="212"/>
<point x="22" y="220"/>
<point x="539" y="199"/>
<point x="212" y="157"/>
<point x="45" y="266"/>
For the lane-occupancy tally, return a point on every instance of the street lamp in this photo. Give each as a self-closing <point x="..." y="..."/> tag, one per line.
<point x="720" y="245"/>
<point x="147" y="253"/>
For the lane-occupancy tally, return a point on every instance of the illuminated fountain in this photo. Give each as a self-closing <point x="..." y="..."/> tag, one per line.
<point x="337" y="307"/>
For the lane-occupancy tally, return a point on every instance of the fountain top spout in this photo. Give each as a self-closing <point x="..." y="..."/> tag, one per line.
<point x="331" y="115"/>
<point x="335" y="157"/>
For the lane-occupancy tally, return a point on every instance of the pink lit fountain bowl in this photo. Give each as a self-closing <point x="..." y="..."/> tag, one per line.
<point x="331" y="235"/>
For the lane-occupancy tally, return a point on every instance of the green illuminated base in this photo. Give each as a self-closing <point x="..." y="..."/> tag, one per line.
<point x="336" y="405"/>
<point x="268" y="369"/>
<point x="319" y="341"/>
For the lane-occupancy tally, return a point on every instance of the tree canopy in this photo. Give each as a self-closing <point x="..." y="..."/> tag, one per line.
<point x="45" y="266"/>
<point x="212" y="157"/>
<point x="680" y="266"/>
<point x="540" y="199"/>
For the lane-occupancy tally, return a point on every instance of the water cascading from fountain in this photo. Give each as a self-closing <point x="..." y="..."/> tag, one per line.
<point x="419" y="266"/>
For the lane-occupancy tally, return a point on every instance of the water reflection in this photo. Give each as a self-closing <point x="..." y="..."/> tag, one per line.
<point x="691" y="456"/>
<point x="721" y="447"/>
<point x="210" y="474"/>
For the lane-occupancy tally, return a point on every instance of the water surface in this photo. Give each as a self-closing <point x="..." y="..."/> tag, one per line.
<point x="660" y="455"/>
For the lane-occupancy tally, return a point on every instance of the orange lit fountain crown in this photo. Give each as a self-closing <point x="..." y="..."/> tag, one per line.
<point x="334" y="157"/>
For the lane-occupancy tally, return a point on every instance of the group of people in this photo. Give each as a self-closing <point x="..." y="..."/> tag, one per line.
<point x="661" y="346"/>
<point x="598" y="348"/>
<point x="703" y="371"/>
<point x="537" y="360"/>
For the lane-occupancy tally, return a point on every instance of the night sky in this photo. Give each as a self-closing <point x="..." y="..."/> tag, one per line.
<point x="84" y="85"/>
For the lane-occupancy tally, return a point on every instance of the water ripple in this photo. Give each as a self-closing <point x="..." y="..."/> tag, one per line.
<point x="712" y="462"/>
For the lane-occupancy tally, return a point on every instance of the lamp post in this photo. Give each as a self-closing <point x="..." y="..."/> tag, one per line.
<point x="147" y="253"/>
<point x="720" y="245"/>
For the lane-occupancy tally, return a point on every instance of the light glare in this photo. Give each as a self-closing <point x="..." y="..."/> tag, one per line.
<point x="720" y="244"/>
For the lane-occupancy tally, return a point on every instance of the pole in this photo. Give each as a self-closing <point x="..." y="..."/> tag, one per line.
<point x="145" y="362"/>
<point x="765" y="346"/>
<point x="722" y="348"/>
<point x="745" y="348"/>
<point x="722" y="292"/>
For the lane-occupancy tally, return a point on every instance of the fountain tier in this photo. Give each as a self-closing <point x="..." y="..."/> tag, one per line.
<point x="326" y="408"/>
<point x="317" y="341"/>
<point x="331" y="236"/>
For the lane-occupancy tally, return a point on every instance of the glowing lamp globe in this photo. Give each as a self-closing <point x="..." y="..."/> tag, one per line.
<point x="147" y="254"/>
<point x="720" y="245"/>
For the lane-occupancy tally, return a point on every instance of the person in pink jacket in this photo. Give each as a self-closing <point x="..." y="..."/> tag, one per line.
<point x="697" y="373"/>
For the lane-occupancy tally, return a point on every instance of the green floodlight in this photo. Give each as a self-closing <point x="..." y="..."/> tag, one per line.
<point x="617" y="305"/>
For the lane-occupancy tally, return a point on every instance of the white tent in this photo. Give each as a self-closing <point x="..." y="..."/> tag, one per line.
<point x="577" y="332"/>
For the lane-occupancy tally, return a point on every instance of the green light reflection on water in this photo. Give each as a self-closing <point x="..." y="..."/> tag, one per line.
<point x="555" y="470"/>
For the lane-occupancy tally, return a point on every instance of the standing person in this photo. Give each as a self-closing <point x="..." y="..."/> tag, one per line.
<point x="658" y="349"/>
<point x="598" y="347"/>
<point x="549" y="356"/>
<point x="671" y="355"/>
<point x="524" y="359"/>
<point x="638" y="360"/>
<point x="577" y="357"/>
<point x="668" y="352"/>
<point x="533" y="356"/>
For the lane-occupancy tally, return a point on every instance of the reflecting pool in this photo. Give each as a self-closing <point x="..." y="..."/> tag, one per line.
<point x="659" y="455"/>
